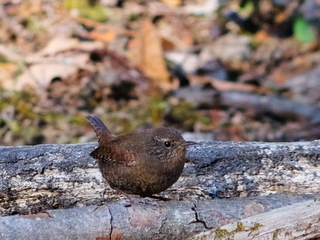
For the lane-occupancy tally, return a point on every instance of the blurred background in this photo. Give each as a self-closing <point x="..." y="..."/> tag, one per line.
<point x="239" y="70"/>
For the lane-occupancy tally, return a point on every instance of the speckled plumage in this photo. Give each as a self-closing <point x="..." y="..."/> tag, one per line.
<point x="141" y="163"/>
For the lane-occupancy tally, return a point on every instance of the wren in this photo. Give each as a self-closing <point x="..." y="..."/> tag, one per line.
<point x="140" y="163"/>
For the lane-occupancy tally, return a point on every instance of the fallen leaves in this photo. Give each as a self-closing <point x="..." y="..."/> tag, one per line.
<point x="146" y="53"/>
<point x="61" y="58"/>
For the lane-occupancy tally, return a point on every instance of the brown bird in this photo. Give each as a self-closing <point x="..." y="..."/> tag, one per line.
<point x="140" y="163"/>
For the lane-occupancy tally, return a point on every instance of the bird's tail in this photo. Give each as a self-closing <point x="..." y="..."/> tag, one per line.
<point x="100" y="129"/>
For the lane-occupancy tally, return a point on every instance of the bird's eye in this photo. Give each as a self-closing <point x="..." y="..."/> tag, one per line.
<point x="167" y="144"/>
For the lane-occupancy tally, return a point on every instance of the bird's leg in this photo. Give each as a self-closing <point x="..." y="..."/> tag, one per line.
<point x="135" y="199"/>
<point x="132" y="198"/>
<point x="161" y="198"/>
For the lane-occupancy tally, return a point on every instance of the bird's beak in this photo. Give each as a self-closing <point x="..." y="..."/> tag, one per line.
<point x="188" y="143"/>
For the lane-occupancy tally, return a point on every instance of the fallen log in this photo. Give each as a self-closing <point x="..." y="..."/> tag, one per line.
<point x="174" y="220"/>
<point x="41" y="177"/>
<point x="218" y="175"/>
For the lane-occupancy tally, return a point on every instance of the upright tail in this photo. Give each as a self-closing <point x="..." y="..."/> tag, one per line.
<point x="100" y="129"/>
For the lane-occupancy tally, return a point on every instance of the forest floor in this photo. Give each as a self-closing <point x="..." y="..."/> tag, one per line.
<point x="215" y="70"/>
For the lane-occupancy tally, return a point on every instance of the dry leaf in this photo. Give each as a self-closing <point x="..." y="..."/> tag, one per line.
<point x="105" y="37"/>
<point x="222" y="85"/>
<point x="147" y="54"/>
<point x="60" y="44"/>
<point x="6" y="72"/>
<point x="38" y="76"/>
<point x="172" y="3"/>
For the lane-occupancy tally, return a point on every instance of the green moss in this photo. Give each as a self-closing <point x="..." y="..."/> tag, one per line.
<point x="52" y="117"/>
<point x="31" y="123"/>
<point x="303" y="31"/>
<point x="14" y="126"/>
<point x="92" y="11"/>
<point x="71" y="4"/>
<point x="134" y="17"/>
<point x="32" y="135"/>
<point x="22" y="102"/>
<point x="156" y="109"/>
<point x="256" y="226"/>
<point x="276" y="234"/>
<point x="32" y="23"/>
<point x="185" y="114"/>
<point x="20" y="117"/>
<point x="78" y="119"/>
<point x="97" y="13"/>
<point x="221" y="233"/>
<point x="240" y="227"/>
<point x="246" y="9"/>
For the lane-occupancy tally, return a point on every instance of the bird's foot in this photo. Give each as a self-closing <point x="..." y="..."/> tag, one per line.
<point x="161" y="198"/>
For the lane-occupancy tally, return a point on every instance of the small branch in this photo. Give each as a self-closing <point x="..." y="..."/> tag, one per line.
<point x="278" y="106"/>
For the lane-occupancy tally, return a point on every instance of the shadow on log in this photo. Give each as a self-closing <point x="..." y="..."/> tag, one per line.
<point x="223" y="182"/>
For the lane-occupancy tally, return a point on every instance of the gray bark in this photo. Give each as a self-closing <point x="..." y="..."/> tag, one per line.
<point x="35" y="178"/>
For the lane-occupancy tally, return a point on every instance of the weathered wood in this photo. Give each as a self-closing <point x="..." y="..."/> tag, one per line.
<point x="42" y="177"/>
<point x="173" y="220"/>
<point x="297" y="221"/>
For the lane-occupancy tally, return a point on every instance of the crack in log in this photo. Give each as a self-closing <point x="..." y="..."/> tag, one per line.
<point x="194" y="208"/>
<point x="163" y="222"/>
<point x="39" y="155"/>
<point x="111" y="225"/>
<point x="209" y="164"/>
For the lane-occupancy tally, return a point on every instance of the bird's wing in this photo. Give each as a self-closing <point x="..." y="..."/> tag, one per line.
<point x="115" y="155"/>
